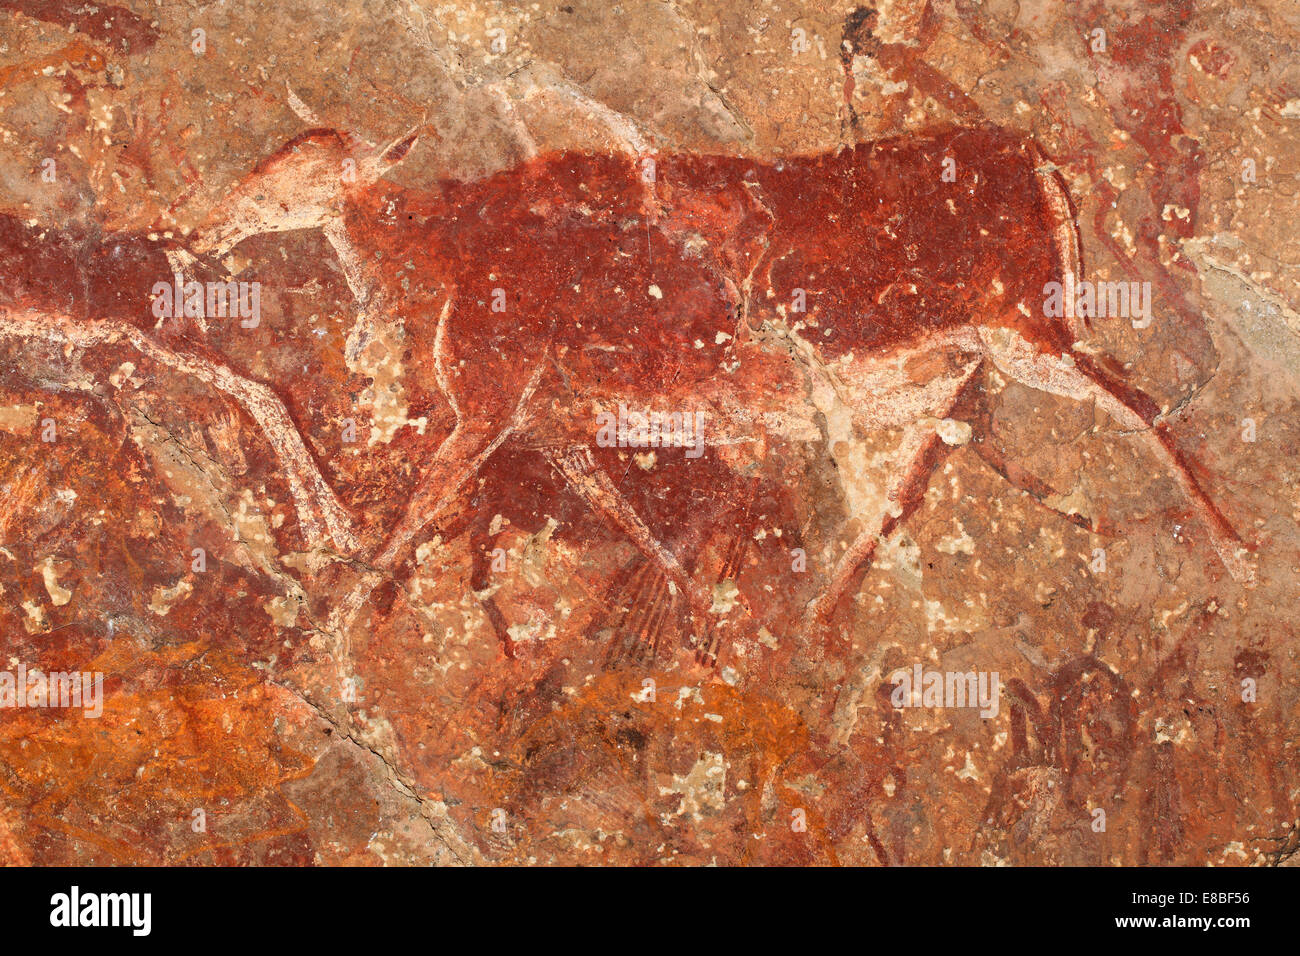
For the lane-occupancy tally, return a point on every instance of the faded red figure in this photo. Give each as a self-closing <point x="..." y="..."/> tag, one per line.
<point x="872" y="283"/>
<point x="860" y="290"/>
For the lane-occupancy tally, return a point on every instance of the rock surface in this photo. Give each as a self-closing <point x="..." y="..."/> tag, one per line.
<point x="373" y="567"/>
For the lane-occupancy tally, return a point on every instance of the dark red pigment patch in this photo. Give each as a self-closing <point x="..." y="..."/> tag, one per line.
<point x="122" y="30"/>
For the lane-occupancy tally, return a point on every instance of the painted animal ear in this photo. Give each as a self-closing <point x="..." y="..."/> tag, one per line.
<point x="396" y="152"/>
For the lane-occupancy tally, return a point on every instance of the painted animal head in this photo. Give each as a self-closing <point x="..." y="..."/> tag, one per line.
<point x="300" y="186"/>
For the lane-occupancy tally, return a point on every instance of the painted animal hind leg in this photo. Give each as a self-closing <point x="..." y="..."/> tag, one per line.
<point x="1080" y="378"/>
<point x="976" y="410"/>
<point x="922" y="449"/>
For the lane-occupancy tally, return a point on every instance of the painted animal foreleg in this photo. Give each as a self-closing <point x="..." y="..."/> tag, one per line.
<point x="594" y="486"/>
<point x="457" y="460"/>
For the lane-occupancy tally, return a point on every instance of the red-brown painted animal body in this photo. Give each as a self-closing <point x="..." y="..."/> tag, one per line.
<point x="542" y="296"/>
<point x="640" y="290"/>
<point x="887" y="248"/>
<point x="576" y="281"/>
<point x="87" y="278"/>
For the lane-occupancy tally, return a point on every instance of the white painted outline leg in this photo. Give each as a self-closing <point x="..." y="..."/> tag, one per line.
<point x="1057" y="375"/>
